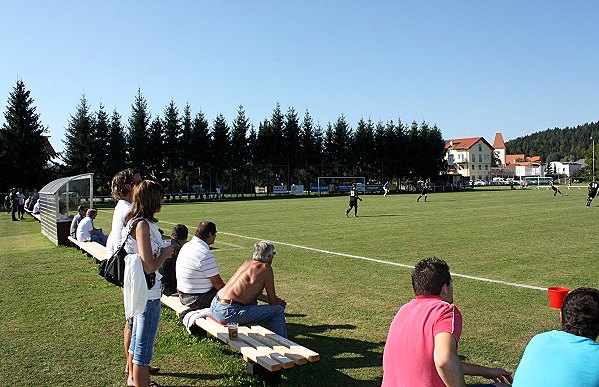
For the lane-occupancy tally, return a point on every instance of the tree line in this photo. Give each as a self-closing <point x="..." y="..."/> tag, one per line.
<point x="182" y="149"/>
<point x="558" y="144"/>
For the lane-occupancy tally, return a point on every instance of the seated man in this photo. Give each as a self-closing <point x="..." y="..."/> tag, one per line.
<point x="36" y="207"/>
<point x="575" y="349"/>
<point x="169" y="278"/>
<point x="81" y="211"/>
<point x="237" y="301"/>
<point x="198" y="279"/>
<point x="421" y="347"/>
<point x="86" y="230"/>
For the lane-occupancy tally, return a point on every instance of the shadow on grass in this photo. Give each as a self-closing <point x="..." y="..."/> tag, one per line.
<point x="192" y="376"/>
<point x="379" y="215"/>
<point x="339" y="356"/>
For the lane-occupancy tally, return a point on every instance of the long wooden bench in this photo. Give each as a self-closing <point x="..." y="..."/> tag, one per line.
<point x="265" y="352"/>
<point x="36" y="216"/>
<point x="259" y="346"/>
<point x="93" y="249"/>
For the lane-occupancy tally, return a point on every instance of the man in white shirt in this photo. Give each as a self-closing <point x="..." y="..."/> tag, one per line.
<point x="198" y="278"/>
<point x="81" y="211"/>
<point x="86" y="230"/>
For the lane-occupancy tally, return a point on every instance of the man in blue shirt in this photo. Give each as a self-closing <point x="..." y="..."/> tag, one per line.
<point x="569" y="357"/>
<point x="76" y="219"/>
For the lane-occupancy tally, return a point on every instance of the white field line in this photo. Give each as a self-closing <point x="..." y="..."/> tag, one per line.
<point x="386" y="262"/>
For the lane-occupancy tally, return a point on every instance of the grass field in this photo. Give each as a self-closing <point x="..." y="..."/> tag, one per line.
<point x="61" y="323"/>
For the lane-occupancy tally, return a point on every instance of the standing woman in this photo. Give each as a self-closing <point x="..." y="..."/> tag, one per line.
<point x="146" y="240"/>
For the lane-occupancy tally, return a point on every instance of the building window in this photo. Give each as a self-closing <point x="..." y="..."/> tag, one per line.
<point x="487" y="167"/>
<point x="480" y="148"/>
<point x="480" y="158"/>
<point x="480" y="167"/>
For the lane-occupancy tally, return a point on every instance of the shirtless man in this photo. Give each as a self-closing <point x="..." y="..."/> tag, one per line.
<point x="237" y="301"/>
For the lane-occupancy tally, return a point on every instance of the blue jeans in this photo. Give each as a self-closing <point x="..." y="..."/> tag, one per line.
<point x="99" y="237"/>
<point x="273" y="316"/>
<point x="145" y="328"/>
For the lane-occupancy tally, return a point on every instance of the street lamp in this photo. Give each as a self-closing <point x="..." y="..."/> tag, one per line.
<point x="593" y="174"/>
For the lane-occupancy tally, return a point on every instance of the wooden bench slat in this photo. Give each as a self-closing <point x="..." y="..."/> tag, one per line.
<point x="308" y="353"/>
<point x="283" y="350"/>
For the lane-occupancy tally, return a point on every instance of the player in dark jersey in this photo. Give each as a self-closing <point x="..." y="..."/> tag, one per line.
<point x="353" y="200"/>
<point x="424" y="192"/>
<point x="555" y="189"/>
<point x="593" y="186"/>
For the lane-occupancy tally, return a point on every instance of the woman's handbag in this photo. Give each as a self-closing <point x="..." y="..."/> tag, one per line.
<point x="113" y="268"/>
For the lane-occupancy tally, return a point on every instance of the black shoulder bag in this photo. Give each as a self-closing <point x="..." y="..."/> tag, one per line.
<point x="113" y="268"/>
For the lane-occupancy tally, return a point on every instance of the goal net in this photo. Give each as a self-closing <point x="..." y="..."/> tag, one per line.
<point x="339" y="184"/>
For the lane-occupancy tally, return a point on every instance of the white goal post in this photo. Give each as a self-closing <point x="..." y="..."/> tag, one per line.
<point x="345" y="181"/>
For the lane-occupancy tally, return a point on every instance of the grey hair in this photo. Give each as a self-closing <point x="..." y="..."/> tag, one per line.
<point x="263" y="251"/>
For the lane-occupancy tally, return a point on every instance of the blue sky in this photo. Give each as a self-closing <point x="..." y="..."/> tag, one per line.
<point x="471" y="67"/>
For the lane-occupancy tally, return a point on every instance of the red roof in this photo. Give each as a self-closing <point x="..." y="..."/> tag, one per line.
<point x="498" y="142"/>
<point x="465" y="143"/>
<point x="511" y="159"/>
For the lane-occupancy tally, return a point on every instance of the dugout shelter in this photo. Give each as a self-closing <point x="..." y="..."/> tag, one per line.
<point x="59" y="200"/>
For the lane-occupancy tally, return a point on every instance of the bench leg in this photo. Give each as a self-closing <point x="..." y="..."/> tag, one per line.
<point x="267" y="378"/>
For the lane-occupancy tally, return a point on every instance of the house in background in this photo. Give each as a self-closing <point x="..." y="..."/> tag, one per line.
<point x="518" y="165"/>
<point x="566" y="168"/>
<point x="470" y="158"/>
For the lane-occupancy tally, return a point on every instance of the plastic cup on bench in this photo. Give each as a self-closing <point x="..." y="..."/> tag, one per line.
<point x="233" y="330"/>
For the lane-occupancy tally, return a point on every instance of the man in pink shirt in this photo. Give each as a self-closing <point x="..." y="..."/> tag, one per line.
<point x="421" y="348"/>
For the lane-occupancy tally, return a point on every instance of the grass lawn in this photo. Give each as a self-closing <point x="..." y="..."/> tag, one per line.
<point x="62" y="324"/>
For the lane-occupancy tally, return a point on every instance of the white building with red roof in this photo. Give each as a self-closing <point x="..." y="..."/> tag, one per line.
<point x="470" y="157"/>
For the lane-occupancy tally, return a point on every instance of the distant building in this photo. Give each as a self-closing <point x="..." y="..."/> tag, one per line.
<point x="469" y="157"/>
<point x="499" y="146"/>
<point x="518" y="165"/>
<point x="565" y="168"/>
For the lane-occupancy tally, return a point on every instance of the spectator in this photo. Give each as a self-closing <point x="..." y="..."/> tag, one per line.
<point x="575" y="349"/>
<point x="14" y="204"/>
<point x="81" y="211"/>
<point x="198" y="278"/>
<point x="86" y="230"/>
<point x="122" y="192"/>
<point x="145" y="257"/>
<point x="421" y="347"/>
<point x="21" y="197"/>
<point x="169" y="278"/>
<point x="237" y="300"/>
<point x="63" y="213"/>
<point x="36" y="207"/>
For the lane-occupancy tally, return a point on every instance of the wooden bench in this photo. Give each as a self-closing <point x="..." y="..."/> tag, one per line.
<point x="36" y="216"/>
<point x="93" y="249"/>
<point x="265" y="352"/>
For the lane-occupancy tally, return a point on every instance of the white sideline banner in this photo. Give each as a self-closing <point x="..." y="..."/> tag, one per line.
<point x="297" y="189"/>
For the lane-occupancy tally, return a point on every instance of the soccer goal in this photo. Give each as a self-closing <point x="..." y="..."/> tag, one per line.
<point x="337" y="184"/>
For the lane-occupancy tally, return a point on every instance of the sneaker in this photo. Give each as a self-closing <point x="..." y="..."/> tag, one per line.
<point x="346" y="215"/>
<point x="355" y="215"/>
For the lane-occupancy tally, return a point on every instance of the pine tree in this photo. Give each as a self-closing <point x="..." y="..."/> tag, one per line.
<point x="239" y="149"/>
<point x="172" y="134"/>
<point x="154" y="166"/>
<point x="116" y="148"/>
<point x="199" y="142"/>
<point x="292" y="143"/>
<point x="99" y="149"/>
<point x="79" y="140"/>
<point x="185" y="147"/>
<point x="139" y="152"/>
<point x="220" y="148"/>
<point x="23" y="154"/>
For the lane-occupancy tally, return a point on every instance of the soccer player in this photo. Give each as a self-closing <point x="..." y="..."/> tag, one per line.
<point x="386" y="188"/>
<point x="555" y="189"/>
<point x="424" y="192"/>
<point x="593" y="186"/>
<point x="353" y="200"/>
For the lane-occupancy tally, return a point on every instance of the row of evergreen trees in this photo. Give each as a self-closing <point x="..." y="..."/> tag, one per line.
<point x="181" y="149"/>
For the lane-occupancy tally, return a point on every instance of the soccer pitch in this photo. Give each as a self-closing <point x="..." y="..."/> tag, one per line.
<point x="343" y="278"/>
